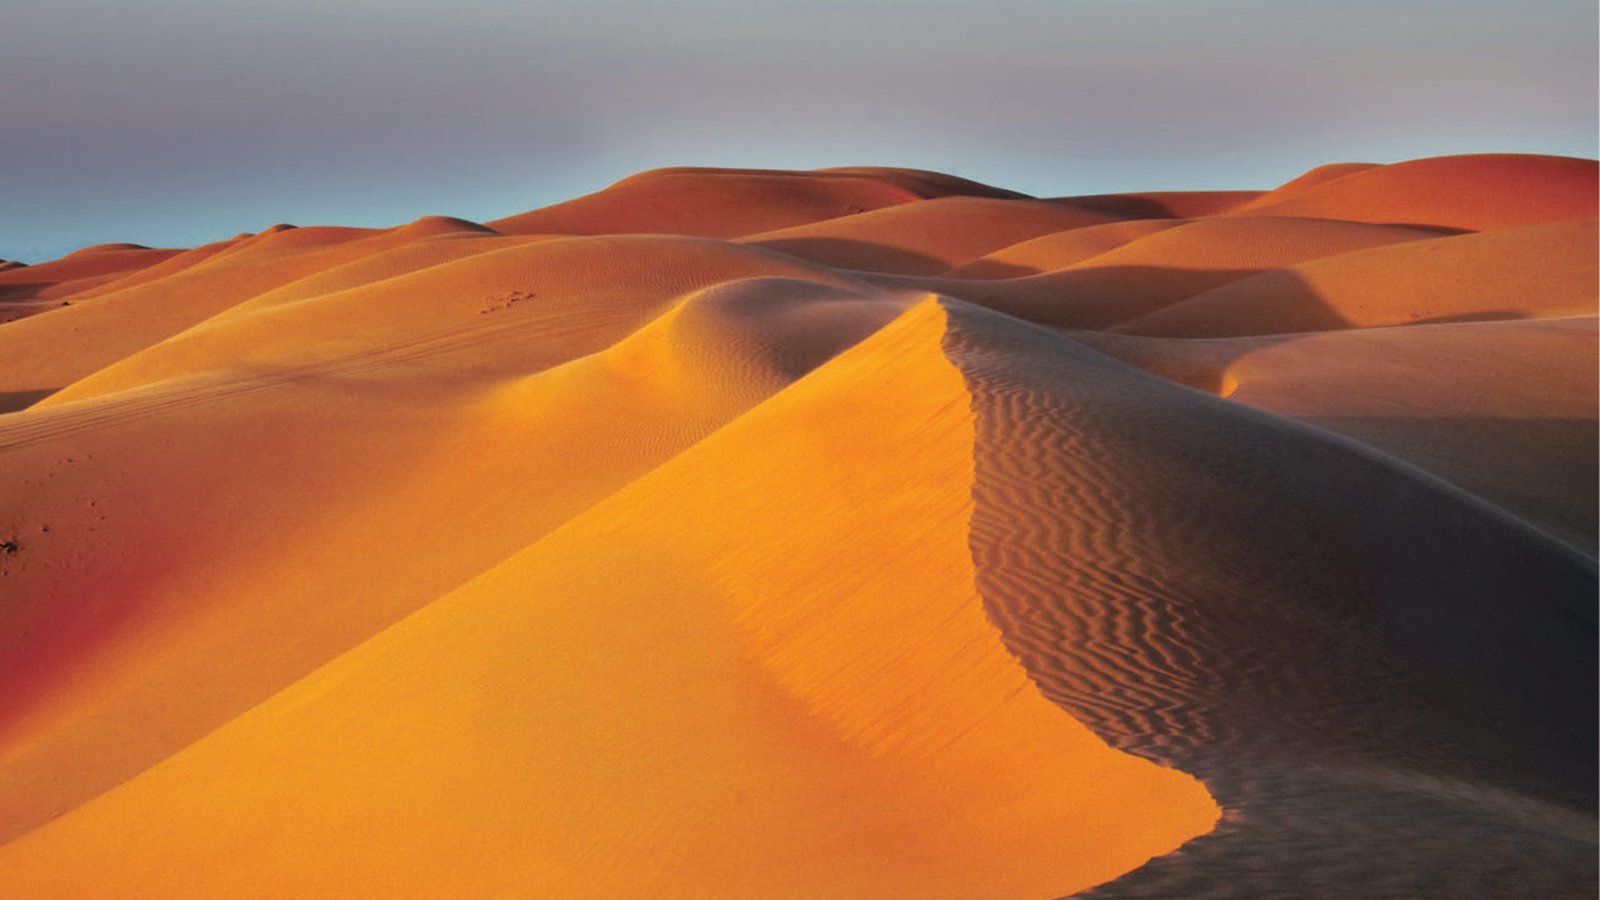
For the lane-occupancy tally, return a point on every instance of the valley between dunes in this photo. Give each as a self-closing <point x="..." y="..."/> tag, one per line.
<point x="855" y="532"/>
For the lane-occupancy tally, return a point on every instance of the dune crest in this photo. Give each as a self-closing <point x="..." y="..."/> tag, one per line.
<point x="945" y="772"/>
<point x="1476" y="192"/>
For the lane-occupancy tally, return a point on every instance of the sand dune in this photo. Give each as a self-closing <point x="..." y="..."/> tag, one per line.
<point x="1304" y="182"/>
<point x="112" y="321"/>
<point x="925" y="238"/>
<point x="1159" y="269"/>
<point x="1505" y="409"/>
<point x="465" y="388"/>
<point x="726" y="203"/>
<point x="1540" y="270"/>
<point x="1163" y="566"/>
<point x="853" y="532"/>
<point x="1058" y="250"/>
<point x="1162" y="204"/>
<point x="1469" y="192"/>
<point x="751" y="698"/>
<point x="26" y="290"/>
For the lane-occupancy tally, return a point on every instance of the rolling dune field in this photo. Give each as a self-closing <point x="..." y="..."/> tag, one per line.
<point x="857" y="532"/>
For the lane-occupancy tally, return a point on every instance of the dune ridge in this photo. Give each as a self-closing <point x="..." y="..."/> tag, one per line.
<point x="894" y="726"/>
<point x="851" y="532"/>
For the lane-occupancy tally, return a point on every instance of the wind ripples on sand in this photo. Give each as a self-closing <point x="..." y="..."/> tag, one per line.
<point x="1143" y="604"/>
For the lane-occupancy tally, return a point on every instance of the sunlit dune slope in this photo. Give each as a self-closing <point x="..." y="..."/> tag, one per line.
<point x="26" y="290"/>
<point x="1471" y="192"/>
<point x="253" y="523"/>
<point x="115" y="320"/>
<point x="1306" y="181"/>
<point x="439" y="295"/>
<point x="550" y="730"/>
<point x="858" y="532"/>
<point x="726" y="203"/>
<point x="77" y="272"/>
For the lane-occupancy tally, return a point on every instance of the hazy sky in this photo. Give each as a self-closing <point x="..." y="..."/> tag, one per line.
<point x="175" y="122"/>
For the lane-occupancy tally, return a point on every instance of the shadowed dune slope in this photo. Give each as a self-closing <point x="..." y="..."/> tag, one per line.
<point x="1162" y="268"/>
<point x="1212" y="589"/>
<point x="885" y="699"/>
<point x="1162" y="204"/>
<point x="1252" y="243"/>
<point x="1541" y="270"/>
<point x="77" y="272"/>
<point x="925" y="238"/>
<point x="1058" y="250"/>
<point x="857" y="532"/>
<point x="1504" y="409"/>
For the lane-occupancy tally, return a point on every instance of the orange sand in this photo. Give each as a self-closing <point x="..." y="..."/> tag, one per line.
<point x="856" y="532"/>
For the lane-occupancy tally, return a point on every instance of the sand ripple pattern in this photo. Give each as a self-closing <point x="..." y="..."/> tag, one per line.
<point x="1385" y="706"/>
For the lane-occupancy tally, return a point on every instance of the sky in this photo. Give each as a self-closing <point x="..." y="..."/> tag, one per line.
<point x="178" y="122"/>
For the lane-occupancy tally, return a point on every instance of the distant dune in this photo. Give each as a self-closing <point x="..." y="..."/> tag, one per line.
<point x="856" y="532"/>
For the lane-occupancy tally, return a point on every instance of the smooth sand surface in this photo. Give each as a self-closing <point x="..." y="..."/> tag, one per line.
<point x="1536" y="271"/>
<point x="925" y="238"/>
<point x="858" y="532"/>
<point x="1476" y="193"/>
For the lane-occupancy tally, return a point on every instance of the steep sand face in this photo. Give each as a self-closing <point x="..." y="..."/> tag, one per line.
<point x="833" y="657"/>
<point x="797" y="547"/>
<point x="1151" y="555"/>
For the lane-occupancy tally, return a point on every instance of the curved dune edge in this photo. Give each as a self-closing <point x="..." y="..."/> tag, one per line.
<point x="213" y="609"/>
<point x="1477" y="192"/>
<point x="836" y="653"/>
<point x="248" y="594"/>
<point x="1150" y="552"/>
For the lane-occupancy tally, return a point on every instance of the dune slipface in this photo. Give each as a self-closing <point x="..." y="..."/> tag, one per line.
<point x="850" y="533"/>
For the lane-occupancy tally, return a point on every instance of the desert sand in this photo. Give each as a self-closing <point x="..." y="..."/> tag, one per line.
<point x="854" y="532"/>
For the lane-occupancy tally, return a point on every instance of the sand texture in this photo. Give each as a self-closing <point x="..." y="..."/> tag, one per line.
<point x="855" y="532"/>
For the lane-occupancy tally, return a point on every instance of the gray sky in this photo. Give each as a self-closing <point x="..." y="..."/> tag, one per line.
<point x="175" y="122"/>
